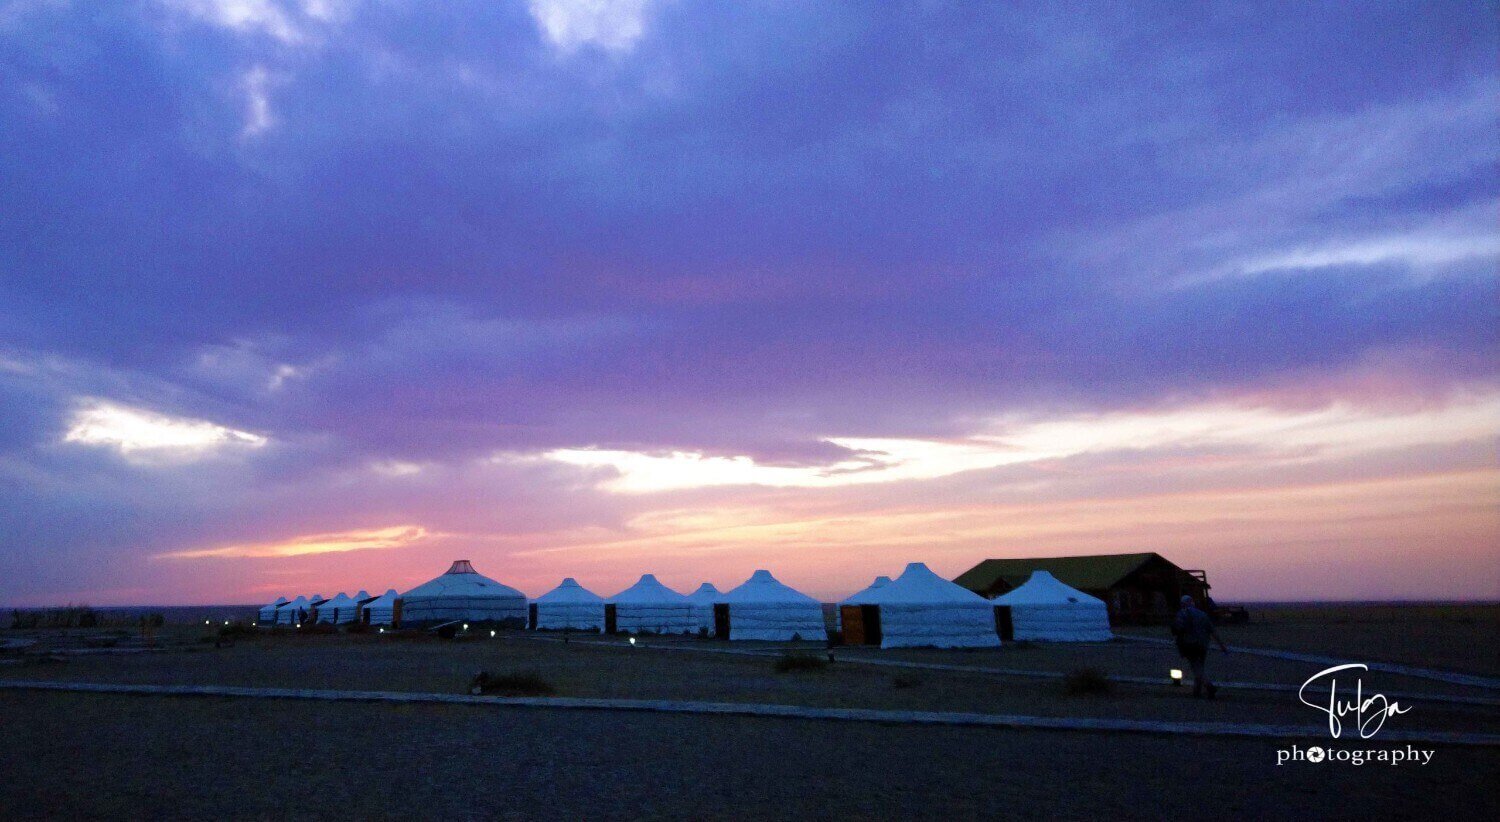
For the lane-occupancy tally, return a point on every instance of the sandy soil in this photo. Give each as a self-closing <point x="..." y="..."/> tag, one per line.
<point x="372" y="662"/>
<point x="82" y="756"/>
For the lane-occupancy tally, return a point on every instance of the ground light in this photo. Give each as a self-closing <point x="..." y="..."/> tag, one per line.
<point x="1176" y="675"/>
<point x="632" y="640"/>
<point x="492" y="634"/>
<point x="466" y="626"/>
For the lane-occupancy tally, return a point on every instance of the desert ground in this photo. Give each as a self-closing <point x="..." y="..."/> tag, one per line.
<point x="105" y="755"/>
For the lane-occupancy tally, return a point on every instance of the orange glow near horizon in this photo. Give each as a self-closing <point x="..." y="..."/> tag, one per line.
<point x="1325" y="504"/>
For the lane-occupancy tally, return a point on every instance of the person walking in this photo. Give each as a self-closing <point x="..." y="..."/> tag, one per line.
<point x="1193" y="629"/>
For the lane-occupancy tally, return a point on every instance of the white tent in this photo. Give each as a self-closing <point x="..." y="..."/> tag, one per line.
<point x="381" y="610"/>
<point x="313" y="603"/>
<point x="921" y="609"/>
<point x="570" y="606"/>
<point x="339" y="610"/>
<point x="763" y="608"/>
<point x="267" y="614"/>
<point x="703" y="601"/>
<point x="292" y="613"/>
<point x="462" y="593"/>
<point x="651" y="607"/>
<point x="1046" y="608"/>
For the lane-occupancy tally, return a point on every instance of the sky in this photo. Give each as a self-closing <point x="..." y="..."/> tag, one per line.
<point x="302" y="296"/>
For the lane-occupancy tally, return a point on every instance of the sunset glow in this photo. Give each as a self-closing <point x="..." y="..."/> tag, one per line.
<point x="310" y="296"/>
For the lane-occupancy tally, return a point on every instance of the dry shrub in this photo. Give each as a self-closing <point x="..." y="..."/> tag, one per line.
<point x="792" y="663"/>
<point x="1087" y="682"/>
<point x="524" y="683"/>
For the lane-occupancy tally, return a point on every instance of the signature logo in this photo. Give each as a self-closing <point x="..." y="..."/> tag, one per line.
<point x="1369" y="713"/>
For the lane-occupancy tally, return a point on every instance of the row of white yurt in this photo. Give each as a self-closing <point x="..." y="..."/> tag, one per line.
<point x="341" y="609"/>
<point x="916" y="609"/>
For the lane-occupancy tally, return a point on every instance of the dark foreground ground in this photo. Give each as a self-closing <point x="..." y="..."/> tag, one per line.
<point x="75" y="756"/>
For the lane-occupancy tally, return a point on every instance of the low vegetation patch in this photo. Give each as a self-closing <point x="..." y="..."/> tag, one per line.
<point x="510" y="684"/>
<point x="792" y="663"/>
<point x="68" y="616"/>
<point x="906" y="680"/>
<point x="1087" y="682"/>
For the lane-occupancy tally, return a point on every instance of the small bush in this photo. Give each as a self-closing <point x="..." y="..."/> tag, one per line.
<point x="360" y="628"/>
<point x="317" y="628"/>
<point x="906" y="680"/>
<point x="791" y="663"/>
<point x="510" y="684"/>
<point x="1087" y="681"/>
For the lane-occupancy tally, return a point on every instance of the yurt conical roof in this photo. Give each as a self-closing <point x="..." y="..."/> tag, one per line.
<point x="761" y="587"/>
<point x="865" y="595"/>
<point x="461" y="580"/>
<point x="918" y="584"/>
<point x="706" y="594"/>
<point x="570" y="591"/>
<point x="1044" y="589"/>
<point x="648" y="590"/>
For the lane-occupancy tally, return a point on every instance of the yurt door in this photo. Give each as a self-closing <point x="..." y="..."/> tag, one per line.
<point x="853" y="621"/>
<point x="870" y="615"/>
<point x="1003" y="625"/>
<point x="721" y="620"/>
<point x="609" y="618"/>
<point x="531" y="617"/>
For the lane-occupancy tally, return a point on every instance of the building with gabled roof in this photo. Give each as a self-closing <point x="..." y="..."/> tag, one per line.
<point x="1141" y="587"/>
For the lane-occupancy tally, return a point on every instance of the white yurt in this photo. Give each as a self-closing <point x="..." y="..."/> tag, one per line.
<point x="703" y="601"/>
<point x="381" y="610"/>
<point x="569" y="606"/>
<point x="1045" y="608"/>
<point x="921" y="609"/>
<point x="651" y="607"/>
<point x="462" y="594"/>
<point x="338" y="610"/>
<point x="764" y="608"/>
<point x="267" y="614"/>
<point x="292" y="613"/>
<point x="313" y="603"/>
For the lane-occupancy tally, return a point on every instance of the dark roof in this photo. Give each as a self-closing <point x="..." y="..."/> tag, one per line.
<point x="1087" y="573"/>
